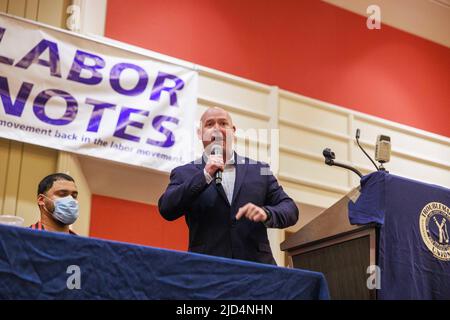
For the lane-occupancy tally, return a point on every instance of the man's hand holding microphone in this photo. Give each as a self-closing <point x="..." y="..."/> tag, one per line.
<point x="215" y="165"/>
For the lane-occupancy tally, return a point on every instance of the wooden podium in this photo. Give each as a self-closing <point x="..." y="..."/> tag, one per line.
<point x="341" y="251"/>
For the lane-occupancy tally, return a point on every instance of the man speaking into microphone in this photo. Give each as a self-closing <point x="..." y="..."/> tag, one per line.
<point x="228" y="201"/>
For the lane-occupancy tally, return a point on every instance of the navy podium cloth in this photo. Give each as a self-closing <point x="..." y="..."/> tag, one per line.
<point x="36" y="265"/>
<point x="413" y="248"/>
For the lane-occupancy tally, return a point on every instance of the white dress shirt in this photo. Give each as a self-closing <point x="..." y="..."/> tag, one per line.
<point x="228" y="177"/>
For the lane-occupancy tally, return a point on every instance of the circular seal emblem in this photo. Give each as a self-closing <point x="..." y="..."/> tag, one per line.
<point x="434" y="222"/>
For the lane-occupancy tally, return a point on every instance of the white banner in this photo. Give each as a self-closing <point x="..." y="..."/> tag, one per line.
<point x="68" y="92"/>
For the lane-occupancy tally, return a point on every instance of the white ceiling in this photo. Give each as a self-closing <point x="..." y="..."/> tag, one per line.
<point x="429" y="19"/>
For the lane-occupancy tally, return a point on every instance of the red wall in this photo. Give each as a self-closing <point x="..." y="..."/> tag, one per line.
<point x="308" y="47"/>
<point x="129" y="221"/>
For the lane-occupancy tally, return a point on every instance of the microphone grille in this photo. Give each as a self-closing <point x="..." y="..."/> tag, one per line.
<point x="216" y="149"/>
<point x="383" y="149"/>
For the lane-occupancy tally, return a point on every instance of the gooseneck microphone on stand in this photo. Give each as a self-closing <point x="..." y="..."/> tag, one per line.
<point x="382" y="154"/>
<point x="357" y="141"/>
<point x="329" y="160"/>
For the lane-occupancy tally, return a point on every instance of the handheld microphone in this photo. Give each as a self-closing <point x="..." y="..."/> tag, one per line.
<point x="217" y="149"/>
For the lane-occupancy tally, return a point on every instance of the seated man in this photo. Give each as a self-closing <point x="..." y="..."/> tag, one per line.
<point x="56" y="198"/>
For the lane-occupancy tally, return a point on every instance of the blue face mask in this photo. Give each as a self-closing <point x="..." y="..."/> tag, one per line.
<point x="66" y="210"/>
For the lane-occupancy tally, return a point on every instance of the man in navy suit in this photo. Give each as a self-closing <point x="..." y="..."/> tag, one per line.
<point x="228" y="218"/>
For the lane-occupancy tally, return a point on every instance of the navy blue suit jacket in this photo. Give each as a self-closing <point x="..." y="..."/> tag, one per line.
<point x="213" y="228"/>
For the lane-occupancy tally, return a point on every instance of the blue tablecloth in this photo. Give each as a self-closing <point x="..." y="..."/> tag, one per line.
<point x="44" y="265"/>
<point x="414" y="246"/>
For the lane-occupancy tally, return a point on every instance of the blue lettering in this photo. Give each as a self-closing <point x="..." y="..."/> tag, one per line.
<point x="79" y="64"/>
<point x="160" y="86"/>
<point x="4" y="59"/>
<point x="124" y="121"/>
<point x="34" y="54"/>
<point x="42" y="99"/>
<point x="97" y="113"/>
<point x="170" y="138"/>
<point x="16" y="108"/>
<point x="116" y="71"/>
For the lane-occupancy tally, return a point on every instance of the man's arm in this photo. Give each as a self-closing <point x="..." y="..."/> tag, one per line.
<point x="284" y="211"/>
<point x="278" y="211"/>
<point x="186" y="187"/>
<point x="180" y="193"/>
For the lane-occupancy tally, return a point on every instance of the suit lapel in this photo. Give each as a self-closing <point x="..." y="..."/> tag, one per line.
<point x="200" y="165"/>
<point x="221" y="191"/>
<point x="241" y="170"/>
